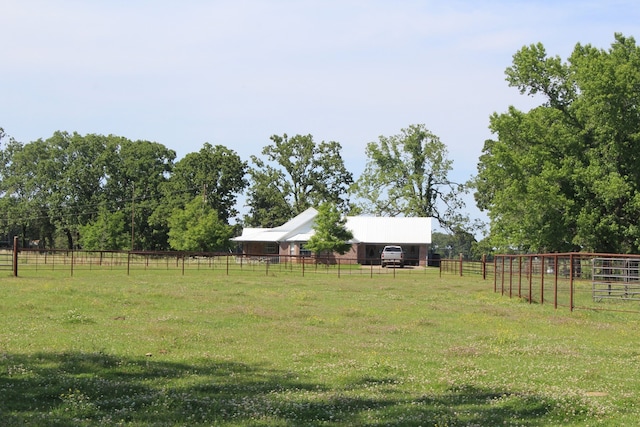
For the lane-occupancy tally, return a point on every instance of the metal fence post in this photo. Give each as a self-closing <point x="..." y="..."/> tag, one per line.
<point x="484" y="267"/>
<point x="571" y="281"/>
<point x="519" y="276"/>
<point x="495" y="274"/>
<point x="510" y="277"/>
<point x="542" y="272"/>
<point x="555" y="282"/>
<point x="15" y="256"/>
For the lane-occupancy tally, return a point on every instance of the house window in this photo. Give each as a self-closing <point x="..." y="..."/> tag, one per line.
<point x="304" y="251"/>
<point x="271" y="248"/>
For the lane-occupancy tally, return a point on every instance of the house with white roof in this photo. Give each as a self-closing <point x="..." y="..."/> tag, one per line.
<point x="370" y="235"/>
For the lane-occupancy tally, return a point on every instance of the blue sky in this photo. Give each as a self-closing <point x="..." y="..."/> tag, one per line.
<point x="234" y="72"/>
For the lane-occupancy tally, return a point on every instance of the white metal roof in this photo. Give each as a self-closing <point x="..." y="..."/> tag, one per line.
<point x="365" y="229"/>
<point x="400" y="230"/>
<point x="260" y="235"/>
<point x="301" y="224"/>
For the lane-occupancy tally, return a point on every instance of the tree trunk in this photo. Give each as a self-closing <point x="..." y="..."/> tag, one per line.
<point x="69" y="238"/>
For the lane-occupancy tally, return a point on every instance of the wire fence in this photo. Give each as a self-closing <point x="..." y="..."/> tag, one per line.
<point x="571" y="280"/>
<point x="462" y="267"/>
<point x="72" y="261"/>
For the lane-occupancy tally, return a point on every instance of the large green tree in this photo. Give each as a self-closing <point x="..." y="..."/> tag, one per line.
<point x="76" y="172"/>
<point x="136" y="174"/>
<point x="451" y="245"/>
<point x="32" y="187"/>
<point x="296" y="173"/>
<point x="215" y="172"/>
<point x="408" y="174"/>
<point x="565" y="175"/>
<point x="22" y="210"/>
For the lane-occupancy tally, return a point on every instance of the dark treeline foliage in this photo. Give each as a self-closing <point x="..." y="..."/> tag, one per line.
<point x="101" y="192"/>
<point x="108" y="192"/>
<point x="451" y="245"/>
<point x="565" y="176"/>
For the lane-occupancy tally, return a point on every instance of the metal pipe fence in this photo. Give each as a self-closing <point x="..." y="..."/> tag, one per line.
<point x="571" y="280"/>
<point x="36" y="260"/>
<point x="464" y="267"/>
<point x="589" y="281"/>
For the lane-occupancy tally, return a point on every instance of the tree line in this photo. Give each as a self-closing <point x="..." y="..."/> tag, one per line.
<point x="564" y="176"/>
<point x="106" y="192"/>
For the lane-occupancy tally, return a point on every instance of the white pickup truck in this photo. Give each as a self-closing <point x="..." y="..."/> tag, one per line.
<point x="392" y="255"/>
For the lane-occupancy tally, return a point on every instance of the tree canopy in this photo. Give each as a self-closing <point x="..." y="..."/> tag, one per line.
<point x="296" y="173"/>
<point x="108" y="192"/>
<point x="565" y="175"/>
<point x="215" y="172"/>
<point x="407" y="174"/>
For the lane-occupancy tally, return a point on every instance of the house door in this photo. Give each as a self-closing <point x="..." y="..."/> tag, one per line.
<point x="371" y="256"/>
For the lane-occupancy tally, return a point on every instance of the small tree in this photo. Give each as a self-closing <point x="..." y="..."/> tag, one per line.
<point x="107" y="232"/>
<point x="197" y="227"/>
<point x="331" y="235"/>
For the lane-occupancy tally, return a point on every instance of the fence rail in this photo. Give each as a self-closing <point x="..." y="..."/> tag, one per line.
<point x="571" y="280"/>
<point x="464" y="267"/>
<point x="30" y="260"/>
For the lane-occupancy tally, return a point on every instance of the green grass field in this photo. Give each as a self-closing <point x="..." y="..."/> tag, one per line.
<point x="163" y="349"/>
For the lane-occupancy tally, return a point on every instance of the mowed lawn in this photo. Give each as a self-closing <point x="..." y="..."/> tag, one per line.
<point x="160" y="348"/>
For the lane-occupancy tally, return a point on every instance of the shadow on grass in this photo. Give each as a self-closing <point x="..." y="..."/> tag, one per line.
<point x="73" y="389"/>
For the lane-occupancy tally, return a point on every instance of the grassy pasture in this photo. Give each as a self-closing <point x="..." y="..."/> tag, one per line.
<point x="161" y="348"/>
